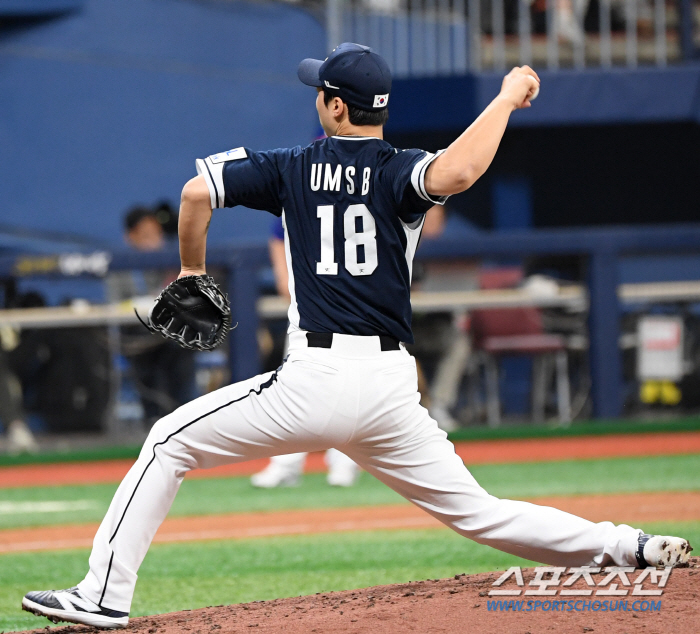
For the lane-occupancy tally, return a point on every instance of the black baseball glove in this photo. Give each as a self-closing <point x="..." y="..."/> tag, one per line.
<point x="193" y="311"/>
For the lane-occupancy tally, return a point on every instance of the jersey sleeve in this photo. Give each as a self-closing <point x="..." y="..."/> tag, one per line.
<point x="242" y="177"/>
<point x="406" y="173"/>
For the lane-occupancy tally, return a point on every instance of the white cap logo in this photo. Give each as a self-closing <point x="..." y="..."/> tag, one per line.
<point x="381" y="100"/>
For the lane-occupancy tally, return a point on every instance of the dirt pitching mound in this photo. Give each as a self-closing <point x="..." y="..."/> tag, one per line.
<point x="458" y="604"/>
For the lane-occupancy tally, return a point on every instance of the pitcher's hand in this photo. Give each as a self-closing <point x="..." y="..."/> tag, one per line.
<point x="519" y="85"/>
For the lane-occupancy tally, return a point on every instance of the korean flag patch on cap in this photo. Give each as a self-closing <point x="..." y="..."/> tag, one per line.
<point x="380" y="101"/>
<point x="231" y="155"/>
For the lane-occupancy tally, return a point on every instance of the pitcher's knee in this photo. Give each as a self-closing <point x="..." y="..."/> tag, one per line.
<point x="164" y="442"/>
<point x="159" y="433"/>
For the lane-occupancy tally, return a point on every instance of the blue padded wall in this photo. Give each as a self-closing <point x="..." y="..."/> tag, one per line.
<point x="109" y="105"/>
<point x="568" y="98"/>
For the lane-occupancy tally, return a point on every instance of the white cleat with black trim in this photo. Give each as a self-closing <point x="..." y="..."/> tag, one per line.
<point x="274" y="476"/>
<point x="661" y="552"/>
<point x="71" y="606"/>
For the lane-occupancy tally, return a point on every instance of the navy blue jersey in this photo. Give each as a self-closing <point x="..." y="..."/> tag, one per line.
<point x="353" y="209"/>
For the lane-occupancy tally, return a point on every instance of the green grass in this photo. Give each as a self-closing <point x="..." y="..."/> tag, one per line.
<point x="618" y="475"/>
<point x="230" y="495"/>
<point x="186" y="576"/>
<point x="596" y="427"/>
<point x="109" y="452"/>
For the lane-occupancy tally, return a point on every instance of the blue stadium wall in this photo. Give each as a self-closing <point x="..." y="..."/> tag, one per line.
<point x="106" y="103"/>
<point x="598" y="147"/>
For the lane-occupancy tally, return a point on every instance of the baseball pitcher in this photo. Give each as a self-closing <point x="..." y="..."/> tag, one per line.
<point x="353" y="207"/>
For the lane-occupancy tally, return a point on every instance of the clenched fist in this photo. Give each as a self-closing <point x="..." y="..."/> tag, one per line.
<point x="519" y="86"/>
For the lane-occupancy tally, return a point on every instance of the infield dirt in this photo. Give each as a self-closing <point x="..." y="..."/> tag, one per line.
<point x="458" y="604"/>
<point x="472" y="452"/>
<point x="630" y="508"/>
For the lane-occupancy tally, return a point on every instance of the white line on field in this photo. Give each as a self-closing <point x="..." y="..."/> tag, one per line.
<point x="14" y="508"/>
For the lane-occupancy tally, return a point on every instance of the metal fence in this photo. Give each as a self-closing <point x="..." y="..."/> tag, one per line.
<point x="451" y="37"/>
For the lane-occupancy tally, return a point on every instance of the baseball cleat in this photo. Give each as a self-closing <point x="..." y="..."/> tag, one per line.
<point x="660" y="552"/>
<point x="71" y="606"/>
<point x="274" y="476"/>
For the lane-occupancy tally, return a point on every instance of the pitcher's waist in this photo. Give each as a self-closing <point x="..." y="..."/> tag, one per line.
<point x="352" y="345"/>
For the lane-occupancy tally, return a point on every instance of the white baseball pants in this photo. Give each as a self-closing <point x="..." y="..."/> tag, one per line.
<point x="362" y="401"/>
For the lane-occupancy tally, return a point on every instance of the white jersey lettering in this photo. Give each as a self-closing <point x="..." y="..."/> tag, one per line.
<point x="331" y="181"/>
<point x="350" y="178"/>
<point x="316" y="170"/>
<point x="365" y="180"/>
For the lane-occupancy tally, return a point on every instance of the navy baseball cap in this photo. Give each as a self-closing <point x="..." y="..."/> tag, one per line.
<point x="353" y="72"/>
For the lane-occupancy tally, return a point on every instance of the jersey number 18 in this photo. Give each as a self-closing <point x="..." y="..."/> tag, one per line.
<point x="366" y="238"/>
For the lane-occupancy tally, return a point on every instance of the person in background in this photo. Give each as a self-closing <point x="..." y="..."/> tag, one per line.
<point x="19" y="437"/>
<point x="286" y="470"/>
<point x="162" y="371"/>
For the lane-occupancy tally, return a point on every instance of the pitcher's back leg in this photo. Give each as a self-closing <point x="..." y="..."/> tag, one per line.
<point x="421" y="465"/>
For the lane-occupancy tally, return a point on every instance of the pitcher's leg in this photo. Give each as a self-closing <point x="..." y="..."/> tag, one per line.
<point x="229" y="425"/>
<point x="422" y="466"/>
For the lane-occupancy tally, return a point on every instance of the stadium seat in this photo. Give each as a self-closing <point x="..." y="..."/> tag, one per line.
<point x="518" y="331"/>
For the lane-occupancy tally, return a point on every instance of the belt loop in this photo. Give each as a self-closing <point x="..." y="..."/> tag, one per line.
<point x="319" y="339"/>
<point x="388" y="343"/>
